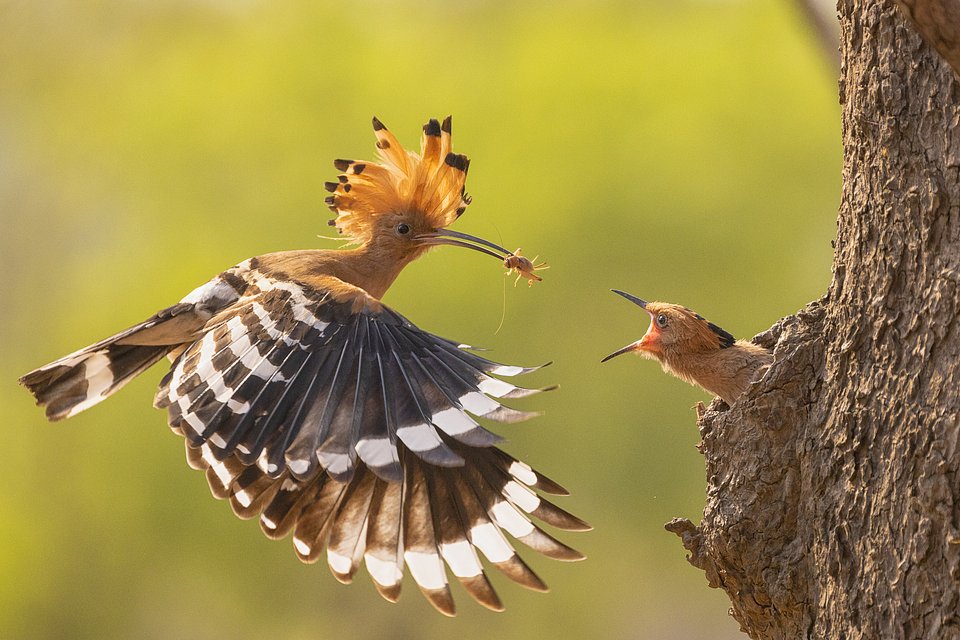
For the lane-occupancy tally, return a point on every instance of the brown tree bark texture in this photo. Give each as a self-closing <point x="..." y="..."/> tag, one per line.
<point x="938" y="21"/>
<point x="833" y="498"/>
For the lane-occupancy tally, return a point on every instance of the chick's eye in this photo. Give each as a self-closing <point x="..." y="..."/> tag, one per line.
<point x="661" y="320"/>
<point x="403" y="228"/>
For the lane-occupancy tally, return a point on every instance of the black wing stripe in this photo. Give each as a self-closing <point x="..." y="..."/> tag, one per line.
<point x="479" y="363"/>
<point x="449" y="416"/>
<point x="205" y="383"/>
<point x="414" y="428"/>
<point x="446" y="412"/>
<point x="247" y="432"/>
<point x="481" y="367"/>
<point x="272" y="426"/>
<point x="304" y="417"/>
<point x="210" y="374"/>
<point x="222" y="418"/>
<point x="376" y="447"/>
<point x="301" y="456"/>
<point x="233" y="427"/>
<point x="465" y="380"/>
<point x="473" y="399"/>
<point x="234" y="350"/>
<point x="338" y="454"/>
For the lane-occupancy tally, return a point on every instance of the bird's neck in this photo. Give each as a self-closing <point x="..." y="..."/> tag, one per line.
<point x="371" y="270"/>
<point x="700" y="368"/>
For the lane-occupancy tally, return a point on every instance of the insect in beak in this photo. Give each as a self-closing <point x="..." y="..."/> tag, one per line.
<point x="512" y="261"/>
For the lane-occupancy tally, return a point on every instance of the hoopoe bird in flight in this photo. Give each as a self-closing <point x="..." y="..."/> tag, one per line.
<point x="311" y="404"/>
<point x="697" y="351"/>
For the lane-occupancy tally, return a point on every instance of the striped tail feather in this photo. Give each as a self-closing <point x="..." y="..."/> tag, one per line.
<point x="86" y="377"/>
<point x="89" y="376"/>
<point x="70" y="385"/>
<point x="432" y="520"/>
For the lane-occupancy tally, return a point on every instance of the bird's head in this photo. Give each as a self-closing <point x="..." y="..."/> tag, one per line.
<point x="401" y="205"/>
<point x="674" y="331"/>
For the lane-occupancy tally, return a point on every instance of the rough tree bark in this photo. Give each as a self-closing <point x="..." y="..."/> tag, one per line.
<point x="938" y="21"/>
<point x="833" y="499"/>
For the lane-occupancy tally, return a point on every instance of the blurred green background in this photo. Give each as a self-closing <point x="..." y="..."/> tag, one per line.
<point x="682" y="151"/>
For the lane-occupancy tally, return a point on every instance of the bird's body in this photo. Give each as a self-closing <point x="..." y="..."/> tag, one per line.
<point x="314" y="406"/>
<point x="697" y="351"/>
<point x="725" y="372"/>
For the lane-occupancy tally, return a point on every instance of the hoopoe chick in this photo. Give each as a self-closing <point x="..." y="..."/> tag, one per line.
<point x="318" y="409"/>
<point x="697" y="351"/>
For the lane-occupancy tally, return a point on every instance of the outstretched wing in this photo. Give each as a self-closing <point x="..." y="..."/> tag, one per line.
<point x="357" y="430"/>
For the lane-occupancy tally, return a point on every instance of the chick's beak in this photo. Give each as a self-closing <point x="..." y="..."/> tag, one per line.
<point x="634" y="299"/>
<point x="647" y="342"/>
<point x="633" y="346"/>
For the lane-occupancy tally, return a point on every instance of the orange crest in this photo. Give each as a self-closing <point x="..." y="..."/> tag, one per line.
<point x="430" y="183"/>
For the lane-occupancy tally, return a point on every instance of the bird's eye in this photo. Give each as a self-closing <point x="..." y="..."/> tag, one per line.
<point x="661" y="320"/>
<point x="403" y="228"/>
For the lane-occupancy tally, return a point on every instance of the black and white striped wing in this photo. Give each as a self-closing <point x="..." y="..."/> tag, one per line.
<point x="357" y="431"/>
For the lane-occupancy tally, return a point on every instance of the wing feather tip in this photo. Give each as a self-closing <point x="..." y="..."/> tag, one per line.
<point x="442" y="600"/>
<point x="483" y="592"/>
<point x="390" y="593"/>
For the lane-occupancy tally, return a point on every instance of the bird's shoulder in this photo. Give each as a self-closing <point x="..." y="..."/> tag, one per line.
<point x="306" y="277"/>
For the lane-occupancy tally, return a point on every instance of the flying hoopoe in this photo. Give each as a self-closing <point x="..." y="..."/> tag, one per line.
<point x="697" y="351"/>
<point x="314" y="406"/>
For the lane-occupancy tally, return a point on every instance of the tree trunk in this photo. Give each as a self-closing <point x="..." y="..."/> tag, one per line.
<point x="833" y="498"/>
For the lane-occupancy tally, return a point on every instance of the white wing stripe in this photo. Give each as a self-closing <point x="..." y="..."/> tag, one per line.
<point x="477" y="403"/>
<point x="491" y="542"/>
<point x="521" y="496"/>
<point x="523" y="473"/>
<point x="495" y="388"/>
<point x="453" y="421"/>
<point x="99" y="377"/>
<point x="339" y="563"/>
<point x="384" y="572"/>
<point x="462" y="559"/>
<point x="427" y="569"/>
<point x="376" y="452"/>
<point x="419" y="437"/>
<point x="507" y="516"/>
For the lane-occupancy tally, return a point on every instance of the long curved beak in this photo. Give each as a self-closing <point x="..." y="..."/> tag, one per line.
<point x="457" y="239"/>
<point x="633" y="346"/>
